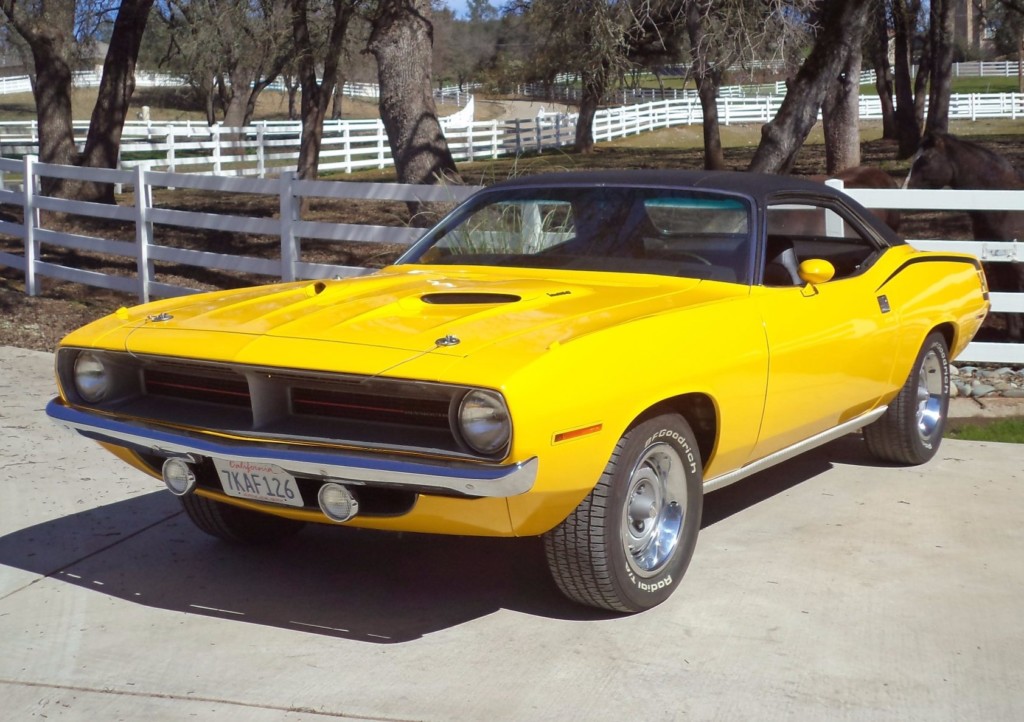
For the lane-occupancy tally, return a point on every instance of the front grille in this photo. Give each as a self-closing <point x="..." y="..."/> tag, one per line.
<point x="287" y="406"/>
<point x="428" y="413"/>
<point x="229" y="391"/>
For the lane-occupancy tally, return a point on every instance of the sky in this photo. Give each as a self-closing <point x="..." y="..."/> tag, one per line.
<point x="458" y="7"/>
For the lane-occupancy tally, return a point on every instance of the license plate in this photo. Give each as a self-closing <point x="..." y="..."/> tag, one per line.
<point x="258" y="481"/>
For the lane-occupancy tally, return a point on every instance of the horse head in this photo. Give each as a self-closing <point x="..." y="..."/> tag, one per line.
<point x="931" y="166"/>
<point x="945" y="160"/>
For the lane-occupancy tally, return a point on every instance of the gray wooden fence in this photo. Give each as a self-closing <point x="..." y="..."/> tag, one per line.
<point x="145" y="216"/>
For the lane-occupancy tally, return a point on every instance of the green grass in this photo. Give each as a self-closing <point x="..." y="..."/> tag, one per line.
<point x="1010" y="430"/>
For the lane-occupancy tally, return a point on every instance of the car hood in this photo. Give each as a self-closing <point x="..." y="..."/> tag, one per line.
<point x="453" y="312"/>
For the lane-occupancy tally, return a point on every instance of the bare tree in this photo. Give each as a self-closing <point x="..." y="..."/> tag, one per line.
<point x="587" y="38"/>
<point x="317" y="94"/>
<point x="401" y="40"/>
<point x="1005" y="18"/>
<point x="708" y="74"/>
<point x="49" y="31"/>
<point x="782" y="137"/>
<point x="231" y="50"/>
<point x="723" y="34"/>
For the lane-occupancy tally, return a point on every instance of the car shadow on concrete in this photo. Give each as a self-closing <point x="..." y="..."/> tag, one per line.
<point x="378" y="587"/>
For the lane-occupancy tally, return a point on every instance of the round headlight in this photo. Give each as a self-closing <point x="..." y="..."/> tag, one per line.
<point x="92" y="379"/>
<point x="484" y="422"/>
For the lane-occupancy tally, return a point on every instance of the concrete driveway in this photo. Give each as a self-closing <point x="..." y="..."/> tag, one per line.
<point x="828" y="588"/>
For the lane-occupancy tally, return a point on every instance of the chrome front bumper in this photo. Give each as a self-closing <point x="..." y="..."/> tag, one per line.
<point x="472" y="480"/>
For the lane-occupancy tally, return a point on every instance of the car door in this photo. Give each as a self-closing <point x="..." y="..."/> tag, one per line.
<point x="831" y="345"/>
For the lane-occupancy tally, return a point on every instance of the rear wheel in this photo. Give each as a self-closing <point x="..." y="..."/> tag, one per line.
<point x="235" y="524"/>
<point x="627" y="545"/>
<point x="912" y="427"/>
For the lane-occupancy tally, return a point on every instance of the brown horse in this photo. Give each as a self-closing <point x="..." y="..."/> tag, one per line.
<point x="866" y="176"/>
<point x="944" y="160"/>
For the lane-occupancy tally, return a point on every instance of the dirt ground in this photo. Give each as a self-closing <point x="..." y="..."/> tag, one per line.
<point x="40" y="322"/>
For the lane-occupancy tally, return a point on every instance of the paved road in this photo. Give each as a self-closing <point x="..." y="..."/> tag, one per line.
<point x="828" y="588"/>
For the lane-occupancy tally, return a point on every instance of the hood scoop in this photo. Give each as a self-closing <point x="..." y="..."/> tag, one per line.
<point x="469" y="298"/>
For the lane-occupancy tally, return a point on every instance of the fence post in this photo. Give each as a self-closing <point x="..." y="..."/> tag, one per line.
<point x="215" y="137"/>
<point x="381" y="138"/>
<point x="289" y="242"/>
<point x="31" y="222"/>
<point x="261" y="161"/>
<point x="143" y="231"/>
<point x="171" y="156"/>
<point x="346" y="146"/>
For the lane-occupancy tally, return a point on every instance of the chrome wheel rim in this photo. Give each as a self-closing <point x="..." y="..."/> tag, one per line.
<point x="931" y="393"/>
<point x="654" y="509"/>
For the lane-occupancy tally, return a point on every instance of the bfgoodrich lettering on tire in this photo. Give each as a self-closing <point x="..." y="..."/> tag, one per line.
<point x="627" y="545"/>
<point x="911" y="429"/>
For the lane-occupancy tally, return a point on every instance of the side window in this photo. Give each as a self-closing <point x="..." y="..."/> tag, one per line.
<point x="797" y="232"/>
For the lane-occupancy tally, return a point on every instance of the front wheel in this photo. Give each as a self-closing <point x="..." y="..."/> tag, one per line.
<point x="235" y="524"/>
<point x="911" y="429"/>
<point x="627" y="545"/>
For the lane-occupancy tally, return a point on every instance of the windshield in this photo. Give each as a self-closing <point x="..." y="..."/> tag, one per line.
<point x="686" y="233"/>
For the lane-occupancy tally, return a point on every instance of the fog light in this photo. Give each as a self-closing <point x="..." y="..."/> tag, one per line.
<point x="179" y="477"/>
<point x="337" y="502"/>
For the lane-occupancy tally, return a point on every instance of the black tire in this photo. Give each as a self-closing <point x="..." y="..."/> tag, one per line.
<point x="627" y="545"/>
<point x="911" y="429"/>
<point x="235" y="524"/>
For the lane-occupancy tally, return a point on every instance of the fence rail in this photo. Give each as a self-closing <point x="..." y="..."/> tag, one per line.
<point x="145" y="250"/>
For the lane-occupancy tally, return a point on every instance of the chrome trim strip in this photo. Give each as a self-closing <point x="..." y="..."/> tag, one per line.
<point x="795" y="450"/>
<point x="473" y="480"/>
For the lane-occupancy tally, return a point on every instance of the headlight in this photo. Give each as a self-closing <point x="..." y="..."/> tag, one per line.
<point x="484" y="422"/>
<point x="92" y="378"/>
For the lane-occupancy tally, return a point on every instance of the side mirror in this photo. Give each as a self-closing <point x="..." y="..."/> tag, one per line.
<point x="816" y="270"/>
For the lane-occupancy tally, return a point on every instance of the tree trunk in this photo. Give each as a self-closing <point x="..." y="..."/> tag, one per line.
<point x="103" y="144"/>
<point x="782" y="137"/>
<point x="708" y="82"/>
<point x="401" y="40"/>
<point x="291" y="85"/>
<point x="52" y="92"/>
<point x="49" y="40"/>
<point x="921" y="86"/>
<point x="941" y="32"/>
<point x="316" y="95"/>
<point x="841" y="114"/>
<point x="338" y="102"/>
<point x="883" y="71"/>
<point x="590" y="98"/>
<point x="908" y="132"/>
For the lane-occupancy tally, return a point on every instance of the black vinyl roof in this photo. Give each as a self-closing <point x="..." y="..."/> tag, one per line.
<point x="761" y="187"/>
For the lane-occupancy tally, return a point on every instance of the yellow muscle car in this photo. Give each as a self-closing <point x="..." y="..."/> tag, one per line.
<point x="580" y="356"/>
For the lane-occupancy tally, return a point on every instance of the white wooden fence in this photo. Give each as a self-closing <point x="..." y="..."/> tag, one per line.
<point x="266" y="149"/>
<point x="145" y="251"/>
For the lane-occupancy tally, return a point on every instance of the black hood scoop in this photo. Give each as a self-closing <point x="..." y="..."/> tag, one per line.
<point x="474" y="298"/>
